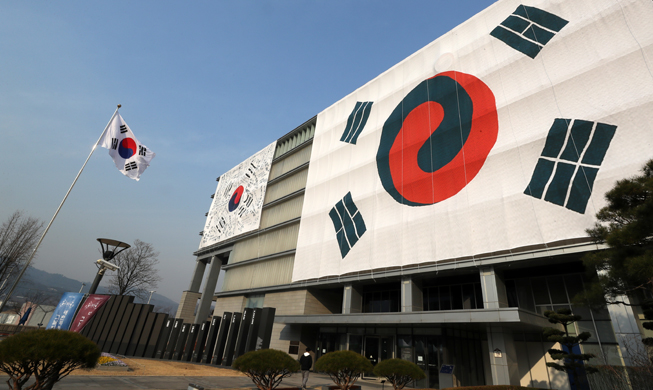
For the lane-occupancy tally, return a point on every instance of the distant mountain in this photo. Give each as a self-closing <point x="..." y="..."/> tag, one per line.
<point x="55" y="285"/>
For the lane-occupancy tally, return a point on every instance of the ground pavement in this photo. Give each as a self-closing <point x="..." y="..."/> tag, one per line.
<point x="316" y="381"/>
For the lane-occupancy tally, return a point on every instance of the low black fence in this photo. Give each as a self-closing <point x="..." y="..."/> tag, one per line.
<point x="132" y="329"/>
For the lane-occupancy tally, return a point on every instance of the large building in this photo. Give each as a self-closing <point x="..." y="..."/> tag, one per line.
<point x="436" y="212"/>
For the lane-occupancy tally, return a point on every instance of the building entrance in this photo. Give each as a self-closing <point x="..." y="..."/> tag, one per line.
<point x="428" y="358"/>
<point x="377" y="349"/>
<point x="429" y="348"/>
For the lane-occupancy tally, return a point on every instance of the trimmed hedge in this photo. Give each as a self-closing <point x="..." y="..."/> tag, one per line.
<point x="266" y="367"/>
<point x="47" y="355"/>
<point x="344" y="367"/>
<point x="399" y="372"/>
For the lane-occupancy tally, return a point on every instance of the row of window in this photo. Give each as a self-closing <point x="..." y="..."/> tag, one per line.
<point x="453" y="297"/>
<point x="450" y="297"/>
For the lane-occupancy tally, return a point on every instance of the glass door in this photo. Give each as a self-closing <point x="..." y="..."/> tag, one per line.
<point x="377" y="349"/>
<point x="433" y="361"/>
<point x="371" y="351"/>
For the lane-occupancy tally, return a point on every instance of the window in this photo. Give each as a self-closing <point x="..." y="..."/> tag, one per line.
<point x="294" y="348"/>
<point x="381" y="298"/>
<point x="255" y="301"/>
<point x="453" y="297"/>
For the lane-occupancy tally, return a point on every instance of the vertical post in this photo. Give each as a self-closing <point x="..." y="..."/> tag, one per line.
<point x="38" y="244"/>
<point x="411" y="295"/>
<point x="352" y="300"/>
<point x="500" y="343"/>
<point x="96" y="282"/>
<point x="209" y="290"/>
<point x="198" y="275"/>
<point x="494" y="290"/>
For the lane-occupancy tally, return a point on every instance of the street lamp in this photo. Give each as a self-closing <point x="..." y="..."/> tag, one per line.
<point x="81" y="288"/>
<point x="151" y="292"/>
<point x="104" y="263"/>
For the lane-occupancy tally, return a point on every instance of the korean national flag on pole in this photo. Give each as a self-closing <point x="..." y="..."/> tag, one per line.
<point x="130" y="156"/>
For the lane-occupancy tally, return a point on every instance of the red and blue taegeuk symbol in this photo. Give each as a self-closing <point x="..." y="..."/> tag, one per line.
<point x="235" y="198"/>
<point x="437" y="139"/>
<point x="127" y="148"/>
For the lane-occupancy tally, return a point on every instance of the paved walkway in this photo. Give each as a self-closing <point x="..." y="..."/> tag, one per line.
<point x="316" y="381"/>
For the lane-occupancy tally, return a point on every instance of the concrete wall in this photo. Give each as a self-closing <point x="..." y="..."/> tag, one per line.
<point x="187" y="306"/>
<point x="229" y="304"/>
<point x="533" y="372"/>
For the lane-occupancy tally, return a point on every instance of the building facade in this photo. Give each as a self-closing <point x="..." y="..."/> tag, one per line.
<point x="436" y="212"/>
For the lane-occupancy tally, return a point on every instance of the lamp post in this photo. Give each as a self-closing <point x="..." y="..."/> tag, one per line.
<point x="104" y="264"/>
<point x="151" y="292"/>
<point x="81" y="288"/>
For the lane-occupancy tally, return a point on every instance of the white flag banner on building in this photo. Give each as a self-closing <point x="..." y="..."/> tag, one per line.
<point x="238" y="199"/>
<point x="130" y="156"/>
<point x="502" y="135"/>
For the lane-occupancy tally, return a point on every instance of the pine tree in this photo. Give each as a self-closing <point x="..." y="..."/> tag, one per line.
<point x="625" y="224"/>
<point x="572" y="363"/>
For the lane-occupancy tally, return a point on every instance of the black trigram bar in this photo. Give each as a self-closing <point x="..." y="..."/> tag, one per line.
<point x="123" y="128"/>
<point x="130" y="166"/>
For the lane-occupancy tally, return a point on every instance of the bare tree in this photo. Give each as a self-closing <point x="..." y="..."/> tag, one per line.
<point x="18" y="237"/>
<point x="138" y="274"/>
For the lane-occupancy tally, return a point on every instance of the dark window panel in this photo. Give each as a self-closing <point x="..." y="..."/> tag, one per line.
<point x="540" y="291"/>
<point x="511" y="291"/>
<point x="557" y="290"/>
<point x="445" y="298"/>
<point x="456" y="297"/>
<point x="479" y="295"/>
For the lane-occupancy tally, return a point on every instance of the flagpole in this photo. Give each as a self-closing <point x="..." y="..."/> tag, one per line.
<point x="13" y="287"/>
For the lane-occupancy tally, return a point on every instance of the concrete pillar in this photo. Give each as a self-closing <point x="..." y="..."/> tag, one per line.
<point x="209" y="290"/>
<point x="412" y="298"/>
<point x="188" y="301"/>
<point x="198" y="275"/>
<point x="352" y="300"/>
<point x="503" y="356"/>
<point x="494" y="289"/>
<point x="187" y="304"/>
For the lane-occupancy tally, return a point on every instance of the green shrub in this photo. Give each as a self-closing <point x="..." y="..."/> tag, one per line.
<point x="266" y="367"/>
<point x="344" y="367"/>
<point x="48" y="355"/>
<point x="399" y="372"/>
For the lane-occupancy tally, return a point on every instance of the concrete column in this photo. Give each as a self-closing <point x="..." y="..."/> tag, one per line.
<point x="494" y="289"/>
<point x="412" y="298"/>
<point x="187" y="304"/>
<point x="198" y="275"/>
<point x="209" y="290"/>
<point x="352" y="300"/>
<point x="503" y="356"/>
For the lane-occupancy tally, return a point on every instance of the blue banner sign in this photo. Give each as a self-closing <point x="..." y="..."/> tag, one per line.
<point x="65" y="312"/>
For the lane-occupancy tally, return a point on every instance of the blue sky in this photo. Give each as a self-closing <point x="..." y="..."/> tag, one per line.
<point x="204" y="84"/>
